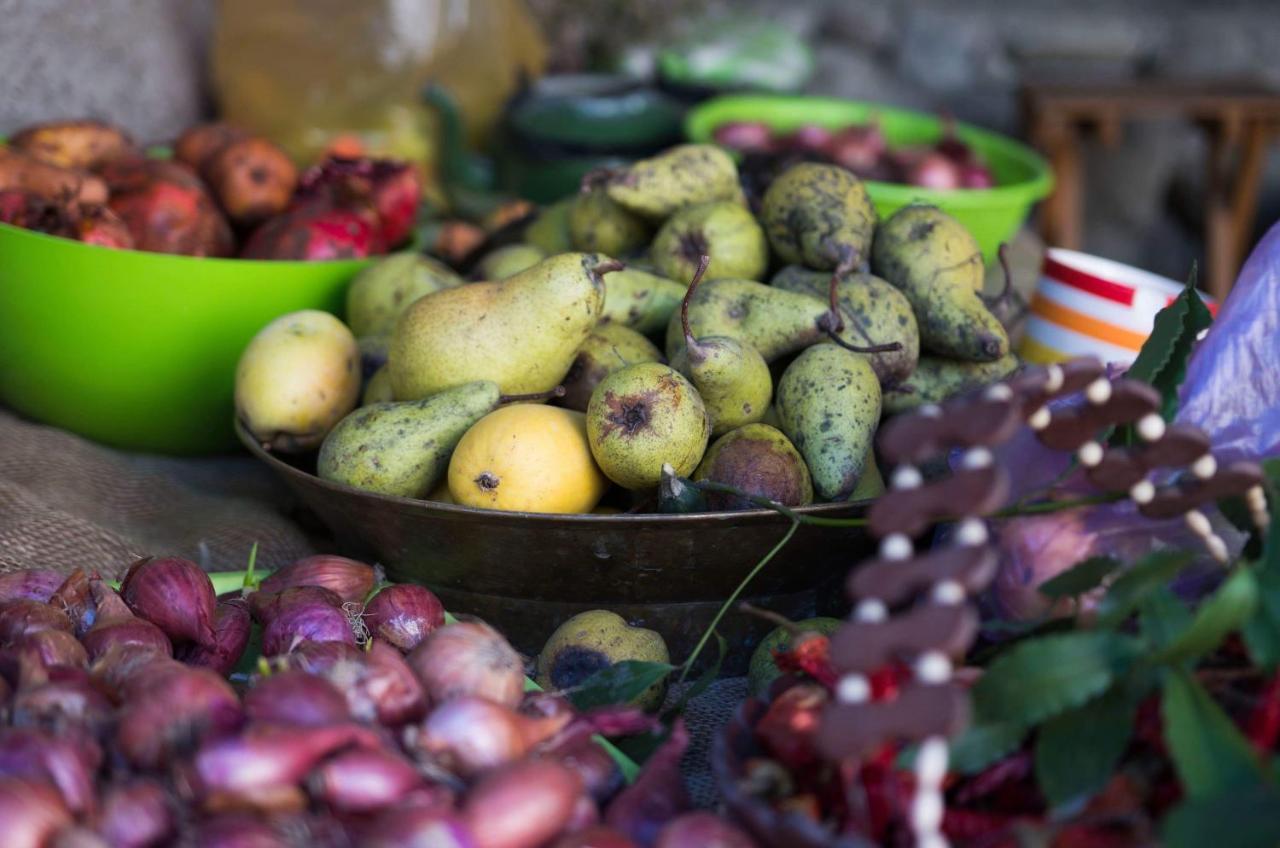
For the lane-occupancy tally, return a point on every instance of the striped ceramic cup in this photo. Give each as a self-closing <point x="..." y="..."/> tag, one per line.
<point x="1086" y="305"/>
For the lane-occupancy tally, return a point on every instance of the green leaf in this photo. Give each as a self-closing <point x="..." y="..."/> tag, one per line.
<point x="1082" y="577"/>
<point x="1040" y="678"/>
<point x="1207" y="749"/>
<point x="1162" y="361"/>
<point x="983" y="744"/>
<point x="1128" y="590"/>
<point x="1241" y="818"/>
<point x="1077" y="751"/>
<point x="706" y="678"/>
<point x="1262" y="631"/>
<point x="1221" y="613"/>
<point x="620" y="683"/>
<point x="1163" y="617"/>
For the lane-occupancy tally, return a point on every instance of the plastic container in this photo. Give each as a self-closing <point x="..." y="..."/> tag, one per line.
<point x="138" y="350"/>
<point x="992" y="215"/>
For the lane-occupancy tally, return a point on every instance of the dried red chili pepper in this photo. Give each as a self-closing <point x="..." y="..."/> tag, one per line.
<point x="809" y="657"/>
<point x="1263" y="725"/>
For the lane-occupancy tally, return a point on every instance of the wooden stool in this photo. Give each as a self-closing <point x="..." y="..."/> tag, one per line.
<point x="1241" y="120"/>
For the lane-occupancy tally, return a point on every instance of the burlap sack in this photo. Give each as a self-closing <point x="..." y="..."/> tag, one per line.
<point x="66" y="503"/>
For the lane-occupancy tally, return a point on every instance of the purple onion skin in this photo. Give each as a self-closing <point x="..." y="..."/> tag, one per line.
<point x="295" y="625"/>
<point x="31" y="584"/>
<point x="701" y="828"/>
<point x="135" y="815"/>
<point x="231" y="625"/>
<point x="135" y="634"/>
<point x="53" y="647"/>
<point x="363" y="781"/>
<point x="175" y="595"/>
<point x="267" y="605"/>
<point x="657" y="795"/>
<point x="116" y="670"/>
<point x="59" y="704"/>
<point x="156" y="725"/>
<point x="382" y="688"/>
<point x="297" y="698"/>
<point x="415" y="825"/>
<point x="600" y="775"/>
<point x="22" y="617"/>
<point x="352" y="581"/>
<point x="30" y="812"/>
<point x="67" y="762"/>
<point x="237" y="830"/>
<point x="320" y="657"/>
<point x="404" y="615"/>
<point x="74" y="598"/>
<point x="596" y="836"/>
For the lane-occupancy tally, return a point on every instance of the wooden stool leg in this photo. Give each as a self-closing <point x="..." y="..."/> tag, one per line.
<point x="1219" y="236"/>
<point x="1244" y="196"/>
<point x="1063" y="209"/>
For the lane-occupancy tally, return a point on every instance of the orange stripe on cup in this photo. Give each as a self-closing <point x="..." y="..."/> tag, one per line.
<point x="1089" y="326"/>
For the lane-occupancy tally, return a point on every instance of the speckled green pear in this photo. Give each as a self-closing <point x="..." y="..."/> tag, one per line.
<point x="936" y="263"/>
<point x="597" y="639"/>
<point x="609" y="348"/>
<point x="403" y="449"/>
<point x="723" y="230"/>
<point x="598" y="225"/>
<point x="379" y="293"/>
<point x="549" y="230"/>
<point x="773" y="321"/>
<point x="936" y="379"/>
<point x="874" y="312"/>
<point x="507" y="261"/>
<point x="680" y="176"/>
<point x="642" y="417"/>
<point x="641" y="300"/>
<point x="818" y="215"/>
<point x="829" y="402"/>
<point x="522" y="332"/>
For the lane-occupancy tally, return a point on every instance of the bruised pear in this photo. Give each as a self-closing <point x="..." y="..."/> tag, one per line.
<point x="731" y="376"/>
<point x="608" y="348"/>
<point x="819" y="215"/>
<point x="759" y="460"/>
<point x="598" y="225"/>
<point x="522" y="332"/>
<point x="642" y="417"/>
<point x="379" y="293"/>
<point x="594" y="640"/>
<point x="725" y="231"/>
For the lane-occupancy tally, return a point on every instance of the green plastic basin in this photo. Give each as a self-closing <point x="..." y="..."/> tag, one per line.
<point x="993" y="215"/>
<point x="138" y="350"/>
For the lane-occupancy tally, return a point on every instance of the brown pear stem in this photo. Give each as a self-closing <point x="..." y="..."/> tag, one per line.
<point x="690" y="343"/>
<point x="596" y="178"/>
<point x="557" y="392"/>
<point x="608" y="267"/>
<point x="887" y="347"/>
<point x="1003" y="296"/>
<point x="772" y="617"/>
<point x="848" y="259"/>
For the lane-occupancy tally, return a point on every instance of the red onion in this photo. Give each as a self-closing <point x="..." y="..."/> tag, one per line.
<point x="380" y="687"/>
<point x="295" y="697"/>
<point x="74" y="598"/>
<point x="237" y="830"/>
<point x="951" y="145"/>
<point x="585" y="814"/>
<point x="176" y="713"/>
<point x="21" y="617"/>
<point x="808" y="137"/>
<point x="747" y="136"/>
<point x="522" y="805"/>
<point x="121" y="664"/>
<point x="975" y="175"/>
<point x="175" y="595"/>
<point x="596" y="837"/>
<point x="52" y="647"/>
<point x="58" y="704"/>
<point x="30" y="584"/>
<point x="351" y="580"/>
<point x="31" y="812"/>
<point x="292" y="625"/>
<point x="469" y="735"/>
<point x="702" y="830"/>
<point x="598" y="771"/>
<point x="263" y="766"/>
<point x="320" y="657"/>
<point x="657" y="795"/>
<point x="135" y="635"/>
<point x="404" y="614"/>
<point x="231" y="627"/>
<point x="934" y="171"/>
<point x="363" y="781"/>
<point x="469" y="658"/>
<point x="135" y="815"/>
<point x="267" y="605"/>
<point x="428" y="827"/>
<point x="67" y="762"/>
<point x="858" y="149"/>
<point x="76" y="837"/>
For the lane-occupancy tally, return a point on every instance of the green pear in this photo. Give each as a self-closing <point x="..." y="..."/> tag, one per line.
<point x="759" y="460"/>
<point x="829" y="403"/>
<point x="936" y="379"/>
<point x="377" y="389"/>
<point x="677" y="495"/>
<point x="609" y="348"/>
<point x="594" y="640"/>
<point x="379" y="293"/>
<point x="819" y="215"/>
<point x="522" y="332"/>
<point x="598" y="225"/>
<point x="403" y="449"/>
<point x="549" y="230"/>
<point x="731" y="376"/>
<point x="936" y="263"/>
<point x="373" y="354"/>
<point x="723" y="230"/>
<point x="641" y="300"/>
<point x="871" y="483"/>
<point x="680" y="176"/>
<point x="773" y="321"/>
<point x="642" y="417"/>
<point x="507" y="261"/>
<point x="873" y="311"/>
<point x="763" y="670"/>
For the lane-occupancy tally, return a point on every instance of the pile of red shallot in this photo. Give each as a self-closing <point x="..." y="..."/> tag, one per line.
<point x="368" y="721"/>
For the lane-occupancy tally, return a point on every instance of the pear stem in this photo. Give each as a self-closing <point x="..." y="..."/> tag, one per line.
<point x="771" y="617"/>
<point x="848" y="259"/>
<point x="690" y="343"/>
<point x="557" y="392"/>
<point x="607" y="267"/>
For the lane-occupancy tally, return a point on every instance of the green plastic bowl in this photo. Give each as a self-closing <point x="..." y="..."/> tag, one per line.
<point x="139" y="350"/>
<point x="993" y="215"/>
